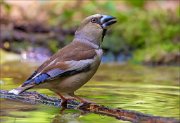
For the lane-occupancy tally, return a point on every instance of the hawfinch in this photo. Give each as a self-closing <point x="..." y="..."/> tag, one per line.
<point x="72" y="66"/>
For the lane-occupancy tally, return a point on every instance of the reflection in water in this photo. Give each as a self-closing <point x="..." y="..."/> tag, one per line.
<point x="66" y="118"/>
<point x="146" y="89"/>
<point x="121" y="114"/>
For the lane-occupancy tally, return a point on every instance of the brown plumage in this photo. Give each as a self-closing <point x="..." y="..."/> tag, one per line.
<point x="83" y="50"/>
<point x="72" y="66"/>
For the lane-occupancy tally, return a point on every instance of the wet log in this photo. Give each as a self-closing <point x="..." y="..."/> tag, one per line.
<point x="120" y="114"/>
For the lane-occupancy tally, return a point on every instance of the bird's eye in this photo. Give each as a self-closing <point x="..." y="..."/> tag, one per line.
<point x="94" y="20"/>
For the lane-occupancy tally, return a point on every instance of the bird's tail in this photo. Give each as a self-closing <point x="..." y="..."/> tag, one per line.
<point x="21" y="89"/>
<point x="29" y="83"/>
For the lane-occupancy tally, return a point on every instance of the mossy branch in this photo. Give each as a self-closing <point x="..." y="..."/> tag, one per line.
<point x="121" y="114"/>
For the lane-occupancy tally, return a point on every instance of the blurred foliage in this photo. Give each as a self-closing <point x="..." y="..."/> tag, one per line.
<point x="144" y="32"/>
<point x="6" y="6"/>
<point x="148" y="32"/>
<point x="136" y="3"/>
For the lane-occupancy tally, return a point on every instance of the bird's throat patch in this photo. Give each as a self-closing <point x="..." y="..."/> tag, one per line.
<point x="103" y="33"/>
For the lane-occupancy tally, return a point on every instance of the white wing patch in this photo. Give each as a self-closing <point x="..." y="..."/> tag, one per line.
<point x="75" y="65"/>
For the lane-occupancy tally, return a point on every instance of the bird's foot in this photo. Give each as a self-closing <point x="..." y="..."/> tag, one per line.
<point x="64" y="104"/>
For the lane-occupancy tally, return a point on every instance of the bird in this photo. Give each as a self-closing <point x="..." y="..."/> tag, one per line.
<point x="75" y="64"/>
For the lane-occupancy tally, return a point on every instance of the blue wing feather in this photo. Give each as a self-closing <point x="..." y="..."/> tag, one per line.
<point x="52" y="74"/>
<point x="37" y="80"/>
<point x="43" y="77"/>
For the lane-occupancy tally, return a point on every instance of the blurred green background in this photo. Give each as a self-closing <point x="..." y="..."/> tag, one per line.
<point x="140" y="63"/>
<point x="146" y="32"/>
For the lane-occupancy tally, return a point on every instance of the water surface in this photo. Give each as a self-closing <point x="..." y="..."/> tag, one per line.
<point x="151" y="90"/>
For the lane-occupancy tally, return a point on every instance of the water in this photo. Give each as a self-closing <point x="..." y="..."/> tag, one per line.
<point x="150" y="90"/>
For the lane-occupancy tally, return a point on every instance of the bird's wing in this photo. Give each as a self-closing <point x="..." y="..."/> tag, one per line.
<point x="72" y="59"/>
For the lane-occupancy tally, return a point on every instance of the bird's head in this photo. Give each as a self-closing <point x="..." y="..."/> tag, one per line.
<point x="94" y="27"/>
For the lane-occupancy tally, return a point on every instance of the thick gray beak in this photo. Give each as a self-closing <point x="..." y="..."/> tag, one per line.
<point x="107" y="20"/>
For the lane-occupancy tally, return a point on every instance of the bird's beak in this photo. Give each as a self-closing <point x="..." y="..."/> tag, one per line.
<point x="107" y="20"/>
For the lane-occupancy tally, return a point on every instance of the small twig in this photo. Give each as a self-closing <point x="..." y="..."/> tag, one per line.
<point x="121" y="114"/>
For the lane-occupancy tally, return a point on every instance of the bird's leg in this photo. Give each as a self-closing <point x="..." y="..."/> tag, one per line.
<point x="83" y="102"/>
<point x="63" y="103"/>
<point x="64" y="100"/>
